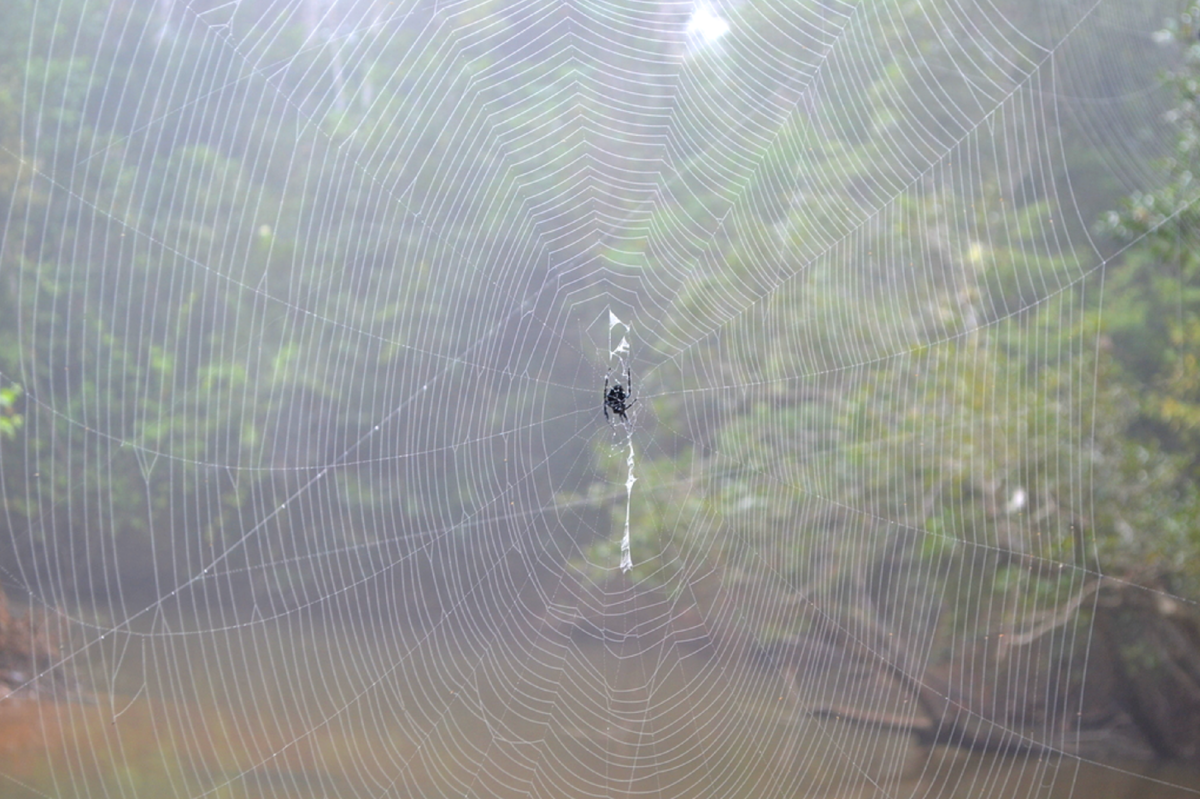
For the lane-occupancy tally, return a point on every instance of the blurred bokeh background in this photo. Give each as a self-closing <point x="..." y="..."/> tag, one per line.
<point x="308" y="309"/>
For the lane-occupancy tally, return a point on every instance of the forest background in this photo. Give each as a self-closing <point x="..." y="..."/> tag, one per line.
<point x="145" y="241"/>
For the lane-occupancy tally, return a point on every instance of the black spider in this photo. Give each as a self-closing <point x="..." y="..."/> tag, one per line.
<point x="618" y="398"/>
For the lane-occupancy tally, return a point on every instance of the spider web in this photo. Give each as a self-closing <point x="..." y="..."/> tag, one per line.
<point x="313" y="488"/>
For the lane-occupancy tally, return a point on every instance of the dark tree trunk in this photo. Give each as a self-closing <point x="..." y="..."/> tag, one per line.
<point x="1153" y="642"/>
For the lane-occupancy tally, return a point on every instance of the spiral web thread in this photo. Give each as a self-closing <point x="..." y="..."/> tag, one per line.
<point x="324" y="292"/>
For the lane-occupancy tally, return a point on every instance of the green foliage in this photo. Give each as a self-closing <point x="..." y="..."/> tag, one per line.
<point x="10" y="419"/>
<point x="1150" y="323"/>
<point x="928" y="394"/>
<point x="195" y="315"/>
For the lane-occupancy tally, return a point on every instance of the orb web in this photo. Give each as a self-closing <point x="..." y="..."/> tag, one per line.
<point x="317" y="306"/>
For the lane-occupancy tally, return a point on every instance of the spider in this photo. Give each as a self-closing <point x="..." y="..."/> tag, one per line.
<point x="618" y="398"/>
